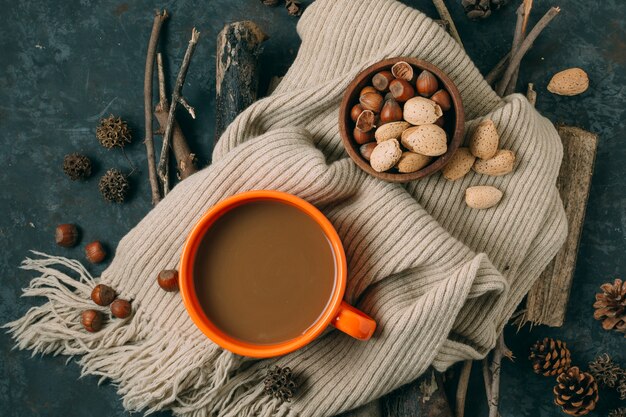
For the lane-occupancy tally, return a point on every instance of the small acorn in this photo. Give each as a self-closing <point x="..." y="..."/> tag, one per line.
<point x="361" y="137"/>
<point x="121" y="308"/>
<point x="91" y="320"/>
<point x="366" y="121"/>
<point x="66" y="235"/>
<point x="402" y="70"/>
<point x="367" y="149"/>
<point x="355" y="112"/>
<point x="381" y="80"/>
<point x="401" y="90"/>
<point x="103" y="295"/>
<point x="168" y="280"/>
<point x="368" y="89"/>
<point x="371" y="101"/>
<point x="442" y="97"/>
<point x="95" y="252"/>
<point x="426" y="84"/>
<point x="391" y="112"/>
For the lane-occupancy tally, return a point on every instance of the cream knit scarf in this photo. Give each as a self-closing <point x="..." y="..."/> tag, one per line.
<point x="440" y="279"/>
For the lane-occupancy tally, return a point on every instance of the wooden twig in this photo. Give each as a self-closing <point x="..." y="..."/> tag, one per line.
<point x="461" y="390"/>
<point x="487" y="379"/>
<point x="424" y="397"/>
<point x="531" y="94"/>
<point x="163" y="168"/>
<point x="445" y="15"/>
<point x="496" y="364"/>
<point x="159" y="18"/>
<point x="518" y="37"/>
<point x="516" y="59"/>
<point x="496" y="72"/>
<point x="236" y="72"/>
<point x="185" y="159"/>
<point x="528" y="5"/>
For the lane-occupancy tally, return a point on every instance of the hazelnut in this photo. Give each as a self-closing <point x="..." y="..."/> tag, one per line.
<point x="401" y="90"/>
<point x="103" y="295"/>
<point x="121" y="308"/>
<point x="94" y="252"/>
<point x="381" y="80"/>
<point x="442" y="98"/>
<point x="402" y="70"/>
<point x="355" y="112"/>
<point x="368" y="89"/>
<point x="426" y="84"/>
<point x="371" y="101"/>
<point x="66" y="235"/>
<point x="366" y="150"/>
<point x="366" y="121"/>
<point x="168" y="280"/>
<point x="91" y="320"/>
<point x="391" y="111"/>
<point x="361" y="137"/>
<point x="440" y="122"/>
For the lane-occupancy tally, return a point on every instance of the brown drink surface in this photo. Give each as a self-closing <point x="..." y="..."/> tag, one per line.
<point x="264" y="272"/>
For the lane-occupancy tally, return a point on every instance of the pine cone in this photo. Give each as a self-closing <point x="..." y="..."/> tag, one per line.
<point x="576" y="392"/>
<point x="113" y="132"/>
<point x="279" y="383"/>
<point x="481" y="9"/>
<point x="610" y="306"/>
<point x="605" y="371"/>
<point x="294" y="7"/>
<point x="550" y="357"/>
<point x="76" y="166"/>
<point x="114" y="186"/>
<point x="618" y="412"/>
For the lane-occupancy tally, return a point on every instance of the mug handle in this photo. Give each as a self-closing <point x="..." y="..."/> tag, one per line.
<point x="354" y="322"/>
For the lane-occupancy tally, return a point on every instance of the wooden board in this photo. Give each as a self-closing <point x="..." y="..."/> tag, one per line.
<point x="547" y="300"/>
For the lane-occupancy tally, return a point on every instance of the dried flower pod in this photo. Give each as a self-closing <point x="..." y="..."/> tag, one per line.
<point x="618" y="412"/>
<point x="481" y="9"/>
<point x="371" y="101"/>
<point x="442" y="97"/>
<point x="95" y="252"/>
<point x="112" y="132"/>
<point x="381" y="80"/>
<point x="426" y="84"/>
<point x="91" y="320"/>
<point x="401" y="89"/>
<point x="280" y="383"/>
<point x="402" y="70"/>
<point x="294" y="7"/>
<point x="391" y="111"/>
<point x="355" y="112"/>
<point x="621" y="388"/>
<point x="361" y="137"/>
<point x="366" y="121"/>
<point x="605" y="371"/>
<point x="103" y="295"/>
<point x="76" y="166"/>
<point x="368" y="89"/>
<point x="66" y="235"/>
<point x="367" y="149"/>
<point x="168" y="280"/>
<point x="114" y="186"/>
<point x="121" y="308"/>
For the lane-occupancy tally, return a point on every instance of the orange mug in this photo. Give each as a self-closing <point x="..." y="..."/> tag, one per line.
<point x="338" y="313"/>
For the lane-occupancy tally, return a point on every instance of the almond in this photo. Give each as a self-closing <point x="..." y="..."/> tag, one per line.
<point x="385" y="155"/>
<point x="482" y="196"/>
<point x="421" y="111"/>
<point x="391" y="130"/>
<point x="569" y="82"/>
<point x="501" y="164"/>
<point x="429" y="140"/>
<point x="459" y="165"/>
<point x="411" y="162"/>
<point x="484" y="141"/>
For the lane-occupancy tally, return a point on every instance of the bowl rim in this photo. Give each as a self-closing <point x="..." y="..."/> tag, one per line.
<point x="351" y="146"/>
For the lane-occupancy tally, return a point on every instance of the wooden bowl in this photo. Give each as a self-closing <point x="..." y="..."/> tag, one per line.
<point x="454" y="121"/>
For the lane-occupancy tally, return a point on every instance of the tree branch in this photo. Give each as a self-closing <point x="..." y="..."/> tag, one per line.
<point x="163" y="168"/>
<point x="495" y="368"/>
<point x="159" y="18"/>
<point x="445" y="15"/>
<point x="496" y="72"/>
<point x="518" y="37"/>
<point x="461" y="390"/>
<point x="516" y="59"/>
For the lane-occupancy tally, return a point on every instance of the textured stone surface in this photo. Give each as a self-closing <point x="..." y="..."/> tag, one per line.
<point x="63" y="65"/>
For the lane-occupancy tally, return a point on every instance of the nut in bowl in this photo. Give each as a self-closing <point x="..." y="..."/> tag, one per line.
<point x="410" y="103"/>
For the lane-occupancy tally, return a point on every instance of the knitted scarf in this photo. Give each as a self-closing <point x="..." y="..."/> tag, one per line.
<point x="440" y="279"/>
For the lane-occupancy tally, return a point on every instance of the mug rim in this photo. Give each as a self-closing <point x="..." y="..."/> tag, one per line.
<point x="188" y="291"/>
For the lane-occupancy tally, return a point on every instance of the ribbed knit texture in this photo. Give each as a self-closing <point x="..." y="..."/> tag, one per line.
<point x="440" y="279"/>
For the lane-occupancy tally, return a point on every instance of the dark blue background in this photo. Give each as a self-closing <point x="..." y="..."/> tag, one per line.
<point x="65" y="64"/>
